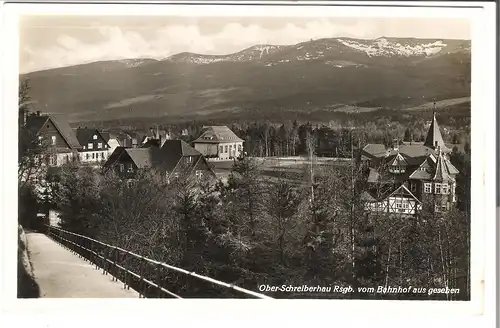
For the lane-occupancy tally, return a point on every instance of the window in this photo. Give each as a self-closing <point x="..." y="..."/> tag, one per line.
<point x="130" y="168"/>
<point x="122" y="167"/>
<point x="189" y="159"/>
<point x="225" y="149"/>
<point x="90" y="145"/>
<point x="445" y="188"/>
<point x="221" y="149"/>
<point x="93" y="155"/>
<point x="413" y="186"/>
<point x="437" y="188"/>
<point x="176" y="174"/>
<point x="239" y="147"/>
<point x="86" y="156"/>
<point x="40" y="138"/>
<point x="52" y="160"/>
<point x="199" y="174"/>
<point x="99" y="145"/>
<point x="428" y="188"/>
<point x="53" y="140"/>
<point x="94" y="137"/>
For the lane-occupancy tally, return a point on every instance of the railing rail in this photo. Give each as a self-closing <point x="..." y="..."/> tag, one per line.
<point x="113" y="260"/>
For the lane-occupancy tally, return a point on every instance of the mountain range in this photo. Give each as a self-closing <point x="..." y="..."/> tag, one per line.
<point x="324" y="76"/>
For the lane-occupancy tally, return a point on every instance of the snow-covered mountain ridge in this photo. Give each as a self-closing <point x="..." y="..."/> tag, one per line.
<point x="331" y="49"/>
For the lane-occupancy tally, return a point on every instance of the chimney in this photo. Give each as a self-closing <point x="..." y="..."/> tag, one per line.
<point x="37" y="113"/>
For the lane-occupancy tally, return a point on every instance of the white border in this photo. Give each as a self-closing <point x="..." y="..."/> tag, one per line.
<point x="483" y="186"/>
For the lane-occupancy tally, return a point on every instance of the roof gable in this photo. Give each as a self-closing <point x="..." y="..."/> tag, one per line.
<point x="65" y="130"/>
<point x="217" y="134"/>
<point x="35" y="123"/>
<point x="83" y="135"/>
<point x="403" y="191"/>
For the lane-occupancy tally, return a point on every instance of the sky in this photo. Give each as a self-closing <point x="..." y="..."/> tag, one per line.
<point x="57" y="41"/>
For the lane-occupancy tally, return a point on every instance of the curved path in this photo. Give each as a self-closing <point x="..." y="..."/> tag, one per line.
<point x="60" y="273"/>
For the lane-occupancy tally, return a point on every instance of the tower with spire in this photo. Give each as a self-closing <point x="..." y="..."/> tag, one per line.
<point x="434" y="139"/>
<point x="421" y="175"/>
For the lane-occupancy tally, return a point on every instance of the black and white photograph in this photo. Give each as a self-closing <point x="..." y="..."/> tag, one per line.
<point x="231" y="155"/>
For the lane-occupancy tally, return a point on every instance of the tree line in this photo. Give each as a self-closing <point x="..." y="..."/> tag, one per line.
<point x="251" y="231"/>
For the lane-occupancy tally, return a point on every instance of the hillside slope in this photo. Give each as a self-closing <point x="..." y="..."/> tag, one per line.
<point x="316" y="75"/>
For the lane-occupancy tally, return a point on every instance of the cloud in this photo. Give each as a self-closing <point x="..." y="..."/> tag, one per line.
<point x="115" y="42"/>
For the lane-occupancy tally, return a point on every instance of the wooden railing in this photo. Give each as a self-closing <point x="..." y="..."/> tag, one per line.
<point x="148" y="277"/>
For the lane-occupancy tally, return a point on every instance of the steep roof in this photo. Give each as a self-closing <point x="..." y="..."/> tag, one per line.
<point x="143" y="157"/>
<point x="444" y="170"/>
<point x="85" y="134"/>
<point x="166" y="158"/>
<point x="179" y="148"/>
<point x="36" y="122"/>
<point x="427" y="164"/>
<point x="62" y="124"/>
<point x="106" y="135"/>
<point x="114" y="156"/>
<point x="434" y="138"/>
<point x="216" y="134"/>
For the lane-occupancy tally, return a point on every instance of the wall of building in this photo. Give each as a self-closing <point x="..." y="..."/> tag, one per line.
<point x="64" y="158"/>
<point x="113" y="144"/>
<point x="207" y="149"/>
<point x="93" y="156"/>
<point x="230" y="150"/>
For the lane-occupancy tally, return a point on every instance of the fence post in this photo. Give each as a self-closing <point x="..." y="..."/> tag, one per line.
<point x="158" y="278"/>
<point x="141" y="282"/>
<point x="114" y="264"/>
<point x="125" y="274"/>
<point x="104" y="261"/>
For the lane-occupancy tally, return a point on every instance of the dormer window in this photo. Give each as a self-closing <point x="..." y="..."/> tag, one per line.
<point x="397" y="169"/>
<point x="95" y="137"/>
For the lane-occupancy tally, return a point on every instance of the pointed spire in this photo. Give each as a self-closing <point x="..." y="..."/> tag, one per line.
<point x="434" y="138"/>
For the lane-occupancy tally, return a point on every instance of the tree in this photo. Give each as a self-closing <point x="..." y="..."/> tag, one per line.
<point x="77" y="198"/>
<point x="31" y="147"/>
<point x="247" y="193"/>
<point x="282" y="205"/>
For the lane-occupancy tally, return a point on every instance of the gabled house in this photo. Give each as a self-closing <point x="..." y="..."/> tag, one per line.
<point x="219" y="142"/>
<point x="410" y="176"/>
<point x="59" y="137"/>
<point x="175" y="158"/>
<point x="94" y="147"/>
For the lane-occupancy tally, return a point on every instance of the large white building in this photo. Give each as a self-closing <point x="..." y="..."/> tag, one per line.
<point x="219" y="143"/>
